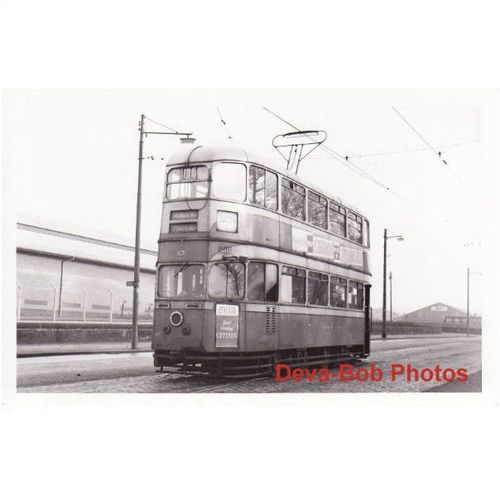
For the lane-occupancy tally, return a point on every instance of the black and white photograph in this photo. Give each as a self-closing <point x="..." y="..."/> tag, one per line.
<point x="248" y="241"/>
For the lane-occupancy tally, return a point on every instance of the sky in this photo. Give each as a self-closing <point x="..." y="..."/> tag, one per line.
<point x="73" y="156"/>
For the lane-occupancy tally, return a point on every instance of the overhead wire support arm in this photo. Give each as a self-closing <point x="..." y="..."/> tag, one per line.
<point x="147" y="132"/>
<point x="160" y="124"/>
<point x="187" y="136"/>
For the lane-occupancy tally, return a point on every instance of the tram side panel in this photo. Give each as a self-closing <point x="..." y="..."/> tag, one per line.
<point x="312" y="329"/>
<point x="315" y="327"/>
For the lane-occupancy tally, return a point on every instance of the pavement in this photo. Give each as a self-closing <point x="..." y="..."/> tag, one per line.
<point x="134" y="372"/>
<point x="37" y="350"/>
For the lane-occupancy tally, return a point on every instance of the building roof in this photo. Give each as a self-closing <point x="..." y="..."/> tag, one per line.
<point x="436" y="304"/>
<point x="53" y="239"/>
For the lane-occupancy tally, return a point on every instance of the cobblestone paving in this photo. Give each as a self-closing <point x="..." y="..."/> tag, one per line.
<point x="457" y="352"/>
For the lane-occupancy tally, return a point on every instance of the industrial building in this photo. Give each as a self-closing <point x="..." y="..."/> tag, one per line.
<point x="68" y="274"/>
<point x="438" y="313"/>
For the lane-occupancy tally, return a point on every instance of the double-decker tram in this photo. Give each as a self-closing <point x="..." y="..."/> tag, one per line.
<point x="256" y="267"/>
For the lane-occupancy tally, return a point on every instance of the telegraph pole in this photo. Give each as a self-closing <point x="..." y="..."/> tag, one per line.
<point x="137" y="259"/>
<point x="390" y="295"/>
<point x="185" y="137"/>
<point x="468" y="276"/>
<point x="384" y="297"/>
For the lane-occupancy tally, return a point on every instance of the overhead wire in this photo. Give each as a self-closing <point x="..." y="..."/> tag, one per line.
<point x="224" y="124"/>
<point x="438" y="153"/>
<point x="337" y="156"/>
<point x="403" y="151"/>
<point x="344" y="160"/>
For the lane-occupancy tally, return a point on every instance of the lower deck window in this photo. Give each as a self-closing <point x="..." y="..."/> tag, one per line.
<point x="338" y="292"/>
<point x="356" y="294"/>
<point x="227" y="280"/>
<point x="317" y="289"/>
<point x="181" y="281"/>
<point x="293" y="285"/>
<point x="263" y="281"/>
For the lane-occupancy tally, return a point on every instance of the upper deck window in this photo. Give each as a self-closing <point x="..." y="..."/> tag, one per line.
<point x="262" y="187"/>
<point x="227" y="280"/>
<point x="229" y="181"/>
<point x="181" y="281"/>
<point x="337" y="221"/>
<point x="354" y="232"/>
<point x="316" y="210"/>
<point x="293" y="199"/>
<point x="187" y="182"/>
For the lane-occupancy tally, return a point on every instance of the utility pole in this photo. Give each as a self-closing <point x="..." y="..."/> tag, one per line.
<point x="137" y="259"/>
<point x="384" y="297"/>
<point x="390" y="294"/>
<point x="185" y="137"/>
<point x="468" y="276"/>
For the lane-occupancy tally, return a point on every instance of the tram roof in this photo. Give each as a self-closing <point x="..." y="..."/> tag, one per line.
<point x="231" y="152"/>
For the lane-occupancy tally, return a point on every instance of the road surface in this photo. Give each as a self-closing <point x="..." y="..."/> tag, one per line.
<point x="134" y="372"/>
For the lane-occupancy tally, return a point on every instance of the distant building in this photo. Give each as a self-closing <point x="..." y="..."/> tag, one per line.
<point x="435" y="313"/>
<point x="459" y="323"/>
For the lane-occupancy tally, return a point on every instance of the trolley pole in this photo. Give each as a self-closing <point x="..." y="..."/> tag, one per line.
<point x="384" y="297"/>
<point x="137" y="259"/>
<point x="468" y="276"/>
